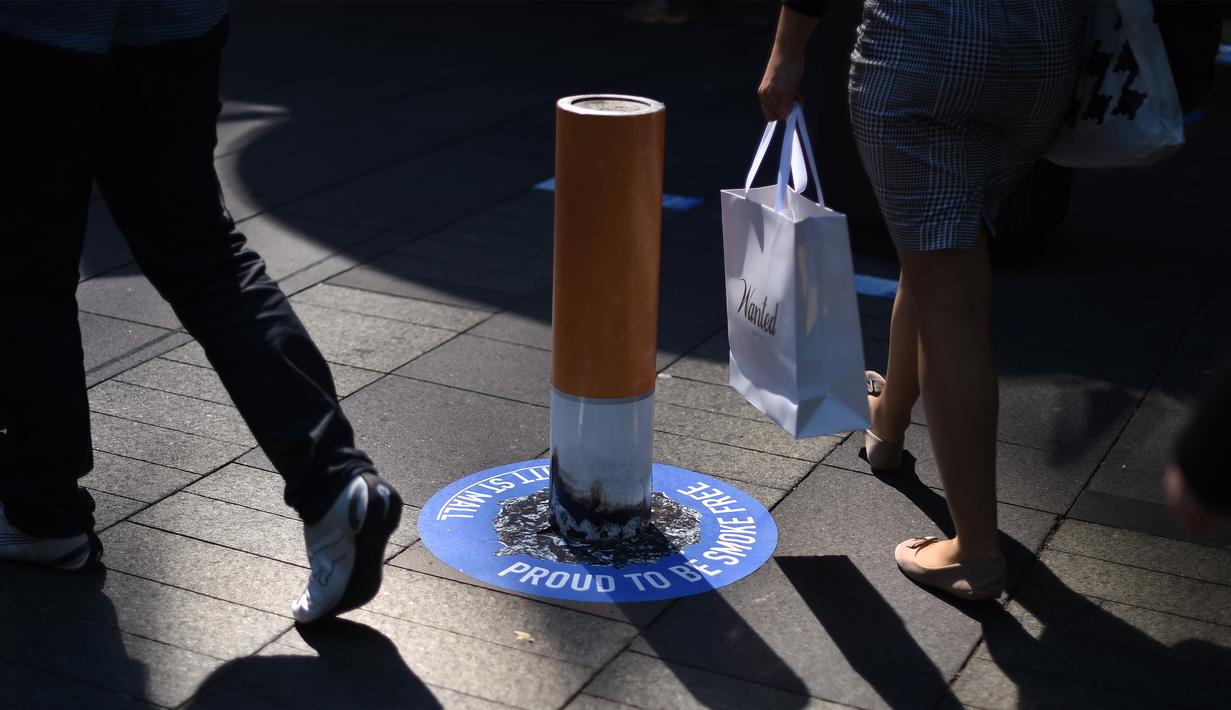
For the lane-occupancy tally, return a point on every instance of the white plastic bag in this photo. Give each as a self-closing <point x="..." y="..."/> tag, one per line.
<point x="1125" y="108"/>
<point x="792" y="315"/>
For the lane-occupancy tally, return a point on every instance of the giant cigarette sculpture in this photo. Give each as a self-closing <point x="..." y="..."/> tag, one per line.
<point x="609" y="175"/>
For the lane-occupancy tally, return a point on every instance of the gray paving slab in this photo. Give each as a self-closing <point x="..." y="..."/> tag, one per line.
<point x="151" y="610"/>
<point x="454" y="284"/>
<point x="1076" y="653"/>
<point x="420" y="559"/>
<point x="347" y="665"/>
<point x="172" y="411"/>
<point x="126" y="294"/>
<point x="157" y="375"/>
<point x="526" y="322"/>
<point x="1132" y="514"/>
<point x="833" y="576"/>
<point x="1072" y="404"/>
<point x="1140" y="587"/>
<point x="984" y="684"/>
<point x="687" y="315"/>
<point x="1024" y="476"/>
<point x="108" y="341"/>
<point x="437" y="315"/>
<point x="262" y="490"/>
<point x="469" y="665"/>
<point x="26" y="687"/>
<point x="366" y="341"/>
<point x="230" y="525"/>
<point x="705" y="396"/>
<point x="110" y="509"/>
<point x="708" y="362"/>
<point x="1133" y="466"/>
<point x="202" y="567"/>
<point x="424" y="436"/>
<point x="741" y="465"/>
<point x="139" y="480"/>
<point x="488" y="366"/>
<point x="361" y="252"/>
<point x="104" y="248"/>
<point x="103" y="656"/>
<point x="737" y="431"/>
<point x="593" y="702"/>
<point x="501" y="619"/>
<point x="290" y="242"/>
<point x="446" y="247"/>
<point x="1201" y="562"/>
<point x="644" y="681"/>
<point x="535" y="205"/>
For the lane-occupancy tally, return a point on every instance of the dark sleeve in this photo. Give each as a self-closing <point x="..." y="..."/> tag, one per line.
<point x="811" y="8"/>
<point x="1201" y="450"/>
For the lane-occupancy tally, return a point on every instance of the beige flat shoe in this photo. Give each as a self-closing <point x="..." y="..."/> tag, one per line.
<point x="882" y="455"/>
<point x="983" y="578"/>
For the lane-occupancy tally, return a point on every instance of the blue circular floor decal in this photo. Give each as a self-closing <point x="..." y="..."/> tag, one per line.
<point x="494" y="526"/>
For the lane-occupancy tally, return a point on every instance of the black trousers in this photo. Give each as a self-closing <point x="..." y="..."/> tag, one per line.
<point x="139" y="121"/>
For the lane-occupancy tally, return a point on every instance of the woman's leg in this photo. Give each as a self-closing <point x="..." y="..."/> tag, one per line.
<point x="951" y="292"/>
<point x="891" y="409"/>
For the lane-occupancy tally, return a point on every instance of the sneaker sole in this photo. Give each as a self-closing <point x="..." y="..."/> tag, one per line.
<point x="381" y="519"/>
<point x="83" y="557"/>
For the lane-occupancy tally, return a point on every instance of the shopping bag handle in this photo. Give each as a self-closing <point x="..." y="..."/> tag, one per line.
<point x="790" y="163"/>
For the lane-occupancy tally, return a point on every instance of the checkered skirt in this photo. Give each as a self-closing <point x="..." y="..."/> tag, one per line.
<point x="952" y="101"/>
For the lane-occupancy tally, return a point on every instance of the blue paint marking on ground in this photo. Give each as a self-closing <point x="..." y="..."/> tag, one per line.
<point x="735" y="535"/>
<point x="1224" y="54"/>
<point x="675" y="203"/>
<point x="875" y="286"/>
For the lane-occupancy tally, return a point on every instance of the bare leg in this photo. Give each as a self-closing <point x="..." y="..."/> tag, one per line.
<point x="951" y="292"/>
<point x="891" y="410"/>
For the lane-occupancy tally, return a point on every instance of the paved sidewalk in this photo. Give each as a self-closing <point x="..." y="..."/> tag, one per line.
<point x="382" y="158"/>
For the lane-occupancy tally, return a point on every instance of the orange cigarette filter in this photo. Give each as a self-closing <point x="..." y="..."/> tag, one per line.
<point x="608" y="237"/>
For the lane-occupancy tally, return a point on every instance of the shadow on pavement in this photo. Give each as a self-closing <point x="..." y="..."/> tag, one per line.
<point x="1056" y="645"/>
<point x="868" y="632"/>
<point x="350" y="665"/>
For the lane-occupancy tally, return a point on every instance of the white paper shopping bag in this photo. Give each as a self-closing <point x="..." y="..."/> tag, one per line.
<point x="792" y="316"/>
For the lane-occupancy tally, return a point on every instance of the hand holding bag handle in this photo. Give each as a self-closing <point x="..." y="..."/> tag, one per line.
<point x="791" y="163"/>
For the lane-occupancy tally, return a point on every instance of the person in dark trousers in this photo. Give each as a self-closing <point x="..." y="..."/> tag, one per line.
<point x="126" y="95"/>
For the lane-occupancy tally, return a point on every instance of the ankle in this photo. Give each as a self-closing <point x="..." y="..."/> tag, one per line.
<point x="963" y="552"/>
<point x="885" y="426"/>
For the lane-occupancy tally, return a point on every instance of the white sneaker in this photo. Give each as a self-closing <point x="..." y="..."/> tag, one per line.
<point x="346" y="549"/>
<point x="67" y="553"/>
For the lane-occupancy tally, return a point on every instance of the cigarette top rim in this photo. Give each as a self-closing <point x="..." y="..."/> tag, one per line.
<point x="609" y="105"/>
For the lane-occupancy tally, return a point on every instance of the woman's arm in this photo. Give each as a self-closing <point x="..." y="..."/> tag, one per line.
<point x="780" y="85"/>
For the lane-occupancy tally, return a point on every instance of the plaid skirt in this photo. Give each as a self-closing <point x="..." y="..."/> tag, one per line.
<point x="952" y="101"/>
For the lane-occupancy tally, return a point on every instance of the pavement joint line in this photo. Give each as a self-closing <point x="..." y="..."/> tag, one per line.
<point x="188" y="702"/>
<point x="462" y="389"/>
<point x="165" y="428"/>
<point x="1116" y="690"/>
<point x="80" y="681"/>
<point x="295" y="518"/>
<point x="145" y="324"/>
<point x="117" y="377"/>
<point x="492" y="311"/>
<point x="196" y="476"/>
<point x="372" y="315"/>
<point x="267" y="612"/>
<point x="524" y="649"/>
<point x="1060" y="629"/>
<point x="1049" y="548"/>
<point x="80" y="619"/>
<point x="740" y="417"/>
<point x="736" y="446"/>
<point x="217" y="544"/>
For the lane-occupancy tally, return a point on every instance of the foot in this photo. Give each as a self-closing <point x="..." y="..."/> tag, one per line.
<point x="346" y="549"/>
<point x="67" y="553"/>
<point x="939" y="564"/>
<point x="883" y="448"/>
